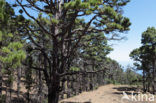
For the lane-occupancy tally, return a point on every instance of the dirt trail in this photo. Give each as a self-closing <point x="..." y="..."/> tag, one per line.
<point x="107" y="94"/>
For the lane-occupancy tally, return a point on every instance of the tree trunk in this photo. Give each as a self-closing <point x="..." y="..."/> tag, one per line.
<point x="149" y="82"/>
<point x="153" y="83"/>
<point x="18" y="81"/>
<point x="144" y="81"/>
<point x="53" y="89"/>
<point x="40" y="88"/>
<point x="28" y="96"/>
<point x="10" y="93"/>
<point x="154" y="77"/>
<point x="53" y="94"/>
<point x="6" y="92"/>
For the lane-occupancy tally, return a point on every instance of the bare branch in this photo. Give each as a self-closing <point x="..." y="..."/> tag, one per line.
<point x="36" y="7"/>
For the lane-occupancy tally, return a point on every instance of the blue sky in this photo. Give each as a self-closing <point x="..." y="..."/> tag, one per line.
<point x="142" y="14"/>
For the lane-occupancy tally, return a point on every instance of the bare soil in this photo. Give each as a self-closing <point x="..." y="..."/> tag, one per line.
<point x="110" y="94"/>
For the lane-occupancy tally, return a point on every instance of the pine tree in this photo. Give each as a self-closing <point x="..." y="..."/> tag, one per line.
<point x="146" y="59"/>
<point x="11" y="53"/>
<point x="58" y="29"/>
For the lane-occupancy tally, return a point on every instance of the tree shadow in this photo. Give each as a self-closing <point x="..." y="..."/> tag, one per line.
<point x="128" y="93"/>
<point x="127" y="90"/>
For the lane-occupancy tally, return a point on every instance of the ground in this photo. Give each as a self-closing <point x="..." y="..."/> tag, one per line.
<point x="111" y="94"/>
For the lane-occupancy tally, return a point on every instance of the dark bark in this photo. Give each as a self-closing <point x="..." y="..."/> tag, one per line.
<point x="28" y="96"/>
<point x="144" y="89"/>
<point x="149" y="82"/>
<point x="40" y="88"/>
<point x="154" y="75"/>
<point x="53" y="94"/>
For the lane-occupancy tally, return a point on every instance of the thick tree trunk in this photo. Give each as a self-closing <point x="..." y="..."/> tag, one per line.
<point x="54" y="89"/>
<point x="53" y="94"/>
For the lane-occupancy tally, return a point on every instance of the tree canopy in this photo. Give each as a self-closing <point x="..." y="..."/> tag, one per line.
<point x="145" y="57"/>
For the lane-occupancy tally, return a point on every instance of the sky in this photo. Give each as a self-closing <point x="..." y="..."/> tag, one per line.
<point x="142" y="14"/>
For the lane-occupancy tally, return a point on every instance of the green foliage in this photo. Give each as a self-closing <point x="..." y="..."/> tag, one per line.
<point x="11" y="51"/>
<point x="95" y="47"/>
<point x="149" y="37"/>
<point x="132" y="77"/>
<point x="0" y="36"/>
<point x="2" y="3"/>
<point x="142" y="55"/>
<point x="74" y="69"/>
<point x="77" y="4"/>
<point x="54" y="21"/>
<point x="109" y="81"/>
<point x="45" y="100"/>
<point x="107" y="14"/>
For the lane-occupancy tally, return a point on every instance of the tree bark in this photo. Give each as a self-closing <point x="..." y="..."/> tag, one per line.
<point x="28" y="96"/>
<point x="40" y="88"/>
<point x="144" y="89"/>
<point x="153" y="83"/>
<point x="53" y="94"/>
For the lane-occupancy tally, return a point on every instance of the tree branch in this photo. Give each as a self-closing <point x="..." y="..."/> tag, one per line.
<point x="82" y="72"/>
<point x="33" y="18"/>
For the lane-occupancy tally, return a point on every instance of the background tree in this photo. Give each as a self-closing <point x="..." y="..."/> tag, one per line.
<point x="145" y="56"/>
<point x="11" y="53"/>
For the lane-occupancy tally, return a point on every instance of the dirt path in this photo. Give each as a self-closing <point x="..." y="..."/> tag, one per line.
<point x="107" y="94"/>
